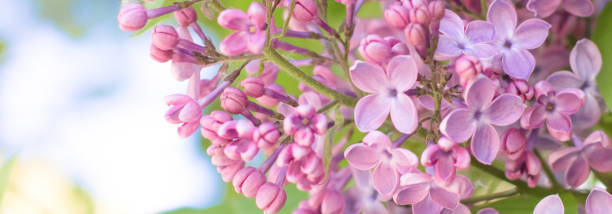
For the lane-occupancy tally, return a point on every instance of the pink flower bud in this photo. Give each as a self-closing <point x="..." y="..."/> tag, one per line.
<point x="270" y="198"/>
<point x="233" y="100"/>
<point x="420" y="15"/>
<point x="266" y="135"/>
<point x="521" y="88"/>
<point x="248" y="181"/>
<point x="183" y="109"/>
<point x="253" y="86"/>
<point x="228" y="172"/>
<point x="436" y="8"/>
<point x="165" y="37"/>
<point x="211" y="123"/>
<point x="268" y="100"/>
<point x="467" y="68"/>
<point x="186" y="16"/>
<point x="236" y="129"/>
<point x="542" y="88"/>
<point x="534" y="167"/>
<point x="446" y="143"/>
<point x="160" y="55"/>
<point x="513" y="143"/>
<point x="305" y="10"/>
<point x="397" y="16"/>
<point x="333" y="203"/>
<point x="132" y="17"/>
<point x="416" y="35"/>
<point x="244" y="150"/>
<point x="375" y="49"/>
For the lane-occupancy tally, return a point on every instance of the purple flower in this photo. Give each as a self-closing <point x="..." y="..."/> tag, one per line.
<point x="304" y="124"/>
<point x="477" y="119"/>
<point x="427" y="196"/>
<point x="250" y="33"/>
<point x="594" y="153"/>
<point x="446" y="157"/>
<point x="387" y="87"/>
<point x="585" y="61"/>
<point x="458" y="38"/>
<point x="554" y="109"/>
<point x="514" y="42"/>
<point x="376" y="152"/>
<point x="598" y="201"/>
<point x="363" y="198"/>
<point x="545" y="8"/>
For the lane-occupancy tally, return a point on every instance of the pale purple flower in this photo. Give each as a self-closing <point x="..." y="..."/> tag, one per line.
<point x="183" y="110"/>
<point x="594" y="153"/>
<point x="386" y="88"/>
<point x="458" y="38"/>
<point x="445" y="157"/>
<point x="250" y="35"/>
<point x="598" y="201"/>
<point x="389" y="163"/>
<point x="545" y="8"/>
<point x="554" y="109"/>
<point x="363" y="198"/>
<point x="477" y="119"/>
<point x="585" y="61"/>
<point x="514" y="42"/>
<point x="551" y="204"/>
<point x="304" y="124"/>
<point x="427" y="196"/>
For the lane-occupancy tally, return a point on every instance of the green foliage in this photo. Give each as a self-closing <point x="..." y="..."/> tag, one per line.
<point x="5" y="173"/>
<point x="59" y="12"/>
<point x="601" y="37"/>
<point x="370" y="10"/>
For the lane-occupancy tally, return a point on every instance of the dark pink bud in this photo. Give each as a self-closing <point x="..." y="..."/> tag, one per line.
<point x="436" y="8"/>
<point x="420" y="14"/>
<point x="467" y="68"/>
<point x="333" y="203"/>
<point x="248" y="181"/>
<point x="397" y="16"/>
<point x="416" y="35"/>
<point x="266" y="135"/>
<point x="513" y="143"/>
<point x="228" y="172"/>
<point x="233" y="100"/>
<point x="305" y="10"/>
<point x="375" y="49"/>
<point x="534" y="167"/>
<point x="270" y="198"/>
<point x="132" y="17"/>
<point x="186" y="16"/>
<point x="521" y="88"/>
<point x="165" y="37"/>
<point x="159" y="54"/>
<point x="253" y="86"/>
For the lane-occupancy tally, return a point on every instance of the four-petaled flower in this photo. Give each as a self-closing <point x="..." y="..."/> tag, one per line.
<point x="387" y="87"/>
<point x="458" y="38"/>
<point x="545" y="8"/>
<point x="250" y="35"/>
<point x="478" y="118"/>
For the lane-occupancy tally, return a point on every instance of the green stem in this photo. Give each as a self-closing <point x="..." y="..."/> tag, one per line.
<point x="328" y="106"/>
<point x="547" y="170"/>
<point x="298" y="74"/>
<point x="497" y="195"/>
<point x="483" y="8"/>
<point x="286" y="24"/>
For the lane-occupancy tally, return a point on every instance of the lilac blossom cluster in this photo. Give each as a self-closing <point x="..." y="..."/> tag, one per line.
<point x="474" y="82"/>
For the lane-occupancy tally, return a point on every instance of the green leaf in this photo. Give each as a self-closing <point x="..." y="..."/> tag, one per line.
<point x="601" y="37"/>
<point x="5" y="173"/>
<point x="370" y="10"/>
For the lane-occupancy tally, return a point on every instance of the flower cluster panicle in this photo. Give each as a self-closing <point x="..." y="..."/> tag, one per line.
<point x="472" y="83"/>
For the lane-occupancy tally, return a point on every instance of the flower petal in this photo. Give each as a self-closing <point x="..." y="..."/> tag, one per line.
<point x="385" y="179"/>
<point x="426" y="206"/>
<point x="480" y="31"/>
<point x="598" y="201"/>
<point x="371" y="111"/>
<point x="256" y="42"/>
<point x="234" y="44"/>
<point x="582" y="8"/>
<point x="562" y="158"/>
<point x="505" y="110"/>
<point x="518" y="63"/>
<point x="559" y="122"/>
<point x="588" y="115"/>
<point x="570" y="100"/>
<point x="585" y="59"/>
<point x="444" y="198"/>
<point x="368" y="77"/>
<point x="480" y="93"/>
<point x="551" y="204"/>
<point x="485" y="144"/>
<point x="533" y="117"/>
<point x="257" y="14"/>
<point x="531" y="33"/>
<point x="543" y="8"/>
<point x="233" y="19"/>
<point x="564" y="79"/>
<point x="452" y="25"/>
<point x="487" y="211"/>
<point x="404" y="114"/>
<point x="377" y="139"/>
<point x="444" y="170"/>
<point x="447" y="48"/>
<point x="503" y="15"/>
<point x="411" y="194"/>
<point x="361" y="157"/>
<point x="577" y="172"/>
<point x="600" y="159"/>
<point x="403" y="160"/>
<point x="482" y="50"/>
<point x="458" y="125"/>
<point x="402" y="72"/>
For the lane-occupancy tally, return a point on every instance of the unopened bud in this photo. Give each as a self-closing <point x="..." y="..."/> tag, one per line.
<point x="233" y="100"/>
<point x="160" y="55"/>
<point x="420" y="14"/>
<point x="375" y="49"/>
<point x="467" y="68"/>
<point x="165" y="37"/>
<point x="185" y="16"/>
<point x="305" y="10"/>
<point x="397" y="16"/>
<point x="132" y="17"/>
<point x="253" y="86"/>
<point x="520" y="88"/>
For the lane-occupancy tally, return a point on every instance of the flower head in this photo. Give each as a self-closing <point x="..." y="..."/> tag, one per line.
<point x="458" y="38"/>
<point x="250" y="35"/>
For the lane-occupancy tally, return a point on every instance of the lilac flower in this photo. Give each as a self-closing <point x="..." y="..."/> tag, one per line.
<point x="514" y="42"/>
<point x="250" y="33"/>
<point x="427" y="196"/>
<point x="363" y="198"/>
<point x="446" y="157"/>
<point x="458" y="38"/>
<point x="598" y="201"/>
<point x="585" y="61"/>
<point x="554" y="109"/>
<point x="304" y="124"/>
<point x="387" y="87"/>
<point x="545" y="8"/>
<point x="478" y="118"/>
<point x="594" y="153"/>
<point x="388" y="163"/>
